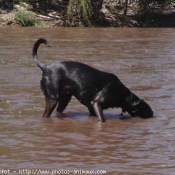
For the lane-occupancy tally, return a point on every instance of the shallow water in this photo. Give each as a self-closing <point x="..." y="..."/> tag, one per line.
<point x="143" y="59"/>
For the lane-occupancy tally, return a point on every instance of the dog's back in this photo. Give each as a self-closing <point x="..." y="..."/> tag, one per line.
<point x="77" y="79"/>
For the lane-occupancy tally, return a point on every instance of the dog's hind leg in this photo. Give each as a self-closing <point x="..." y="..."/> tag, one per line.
<point x="49" y="107"/>
<point x="64" y="99"/>
<point x="51" y="96"/>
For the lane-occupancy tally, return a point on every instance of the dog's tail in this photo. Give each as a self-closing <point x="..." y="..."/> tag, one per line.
<point x="35" y="49"/>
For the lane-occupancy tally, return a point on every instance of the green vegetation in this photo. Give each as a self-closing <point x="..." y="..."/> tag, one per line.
<point x="27" y="18"/>
<point x="148" y="6"/>
<point x="80" y="9"/>
<point x="24" y="17"/>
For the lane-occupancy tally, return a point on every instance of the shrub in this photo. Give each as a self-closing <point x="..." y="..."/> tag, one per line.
<point x="24" y="17"/>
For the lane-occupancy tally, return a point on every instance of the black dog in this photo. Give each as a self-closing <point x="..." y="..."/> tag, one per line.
<point x="95" y="89"/>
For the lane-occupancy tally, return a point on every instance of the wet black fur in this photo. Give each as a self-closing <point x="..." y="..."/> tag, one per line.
<point x="95" y="89"/>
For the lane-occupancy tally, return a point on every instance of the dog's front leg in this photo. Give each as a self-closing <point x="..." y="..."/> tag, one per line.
<point x="122" y="113"/>
<point x="98" y="110"/>
<point x="122" y="117"/>
<point x="91" y="110"/>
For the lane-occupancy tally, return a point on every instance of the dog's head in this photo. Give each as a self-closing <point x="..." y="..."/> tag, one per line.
<point x="138" y="107"/>
<point x="142" y="109"/>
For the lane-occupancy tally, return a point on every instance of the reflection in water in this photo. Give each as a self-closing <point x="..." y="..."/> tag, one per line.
<point x="144" y="61"/>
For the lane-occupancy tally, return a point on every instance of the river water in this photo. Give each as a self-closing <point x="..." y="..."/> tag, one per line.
<point x="143" y="59"/>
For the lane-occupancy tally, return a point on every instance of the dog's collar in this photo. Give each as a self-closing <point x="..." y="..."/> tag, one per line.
<point x="127" y="102"/>
<point x="130" y="102"/>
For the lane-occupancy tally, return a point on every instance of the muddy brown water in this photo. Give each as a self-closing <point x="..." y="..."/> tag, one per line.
<point x="144" y="60"/>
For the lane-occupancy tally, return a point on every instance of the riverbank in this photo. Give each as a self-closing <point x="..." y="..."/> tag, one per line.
<point x="111" y="15"/>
